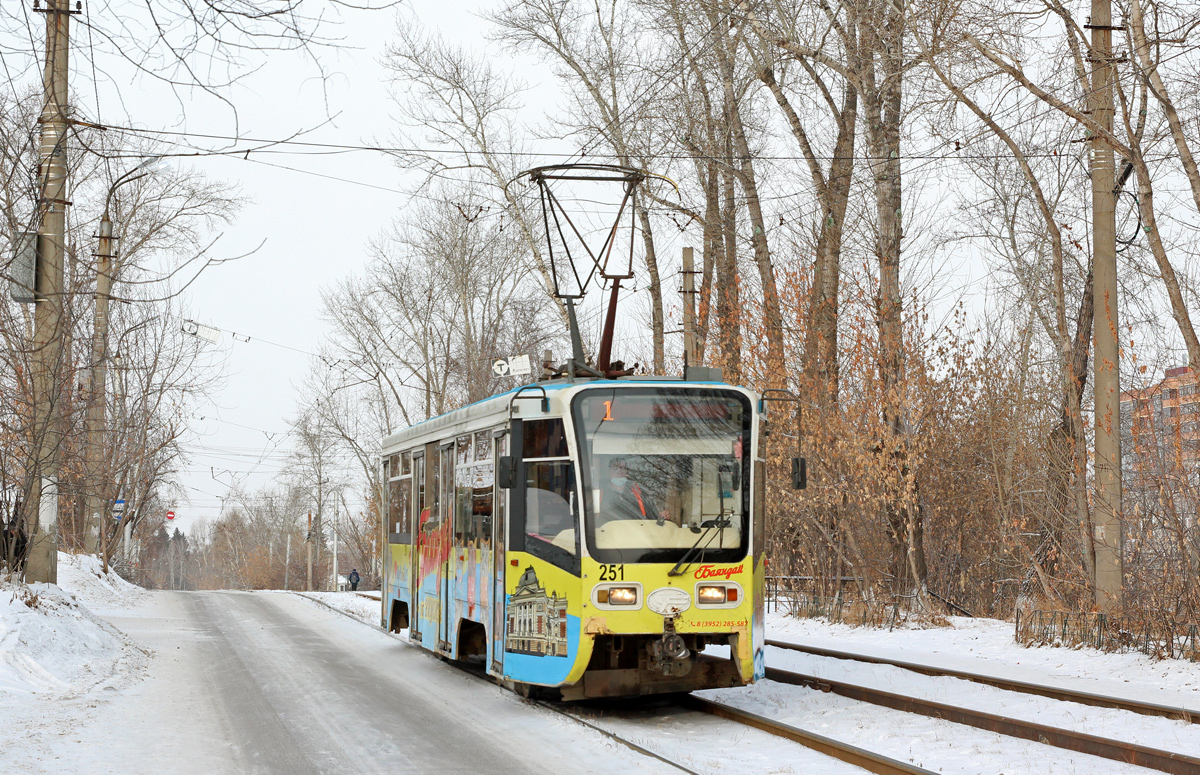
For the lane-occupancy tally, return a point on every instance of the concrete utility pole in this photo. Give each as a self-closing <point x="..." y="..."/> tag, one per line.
<point x="309" y="541"/>
<point x="48" y="333"/>
<point x="335" y="549"/>
<point x="690" y="357"/>
<point x="105" y="269"/>
<point x="96" y="392"/>
<point x="1106" y="363"/>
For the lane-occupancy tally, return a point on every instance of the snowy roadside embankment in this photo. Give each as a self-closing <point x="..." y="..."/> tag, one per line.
<point x="52" y="645"/>
<point x="82" y="575"/>
<point x="349" y="603"/>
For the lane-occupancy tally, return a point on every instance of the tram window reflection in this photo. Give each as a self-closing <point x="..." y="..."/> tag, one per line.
<point x="399" y="495"/>
<point x="549" y="515"/>
<point x="544" y="438"/>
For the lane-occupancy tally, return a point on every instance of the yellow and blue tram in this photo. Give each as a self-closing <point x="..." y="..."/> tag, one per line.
<point x="592" y="538"/>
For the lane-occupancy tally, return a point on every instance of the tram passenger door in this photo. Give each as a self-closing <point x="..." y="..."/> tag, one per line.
<point x="432" y="553"/>
<point x="419" y="516"/>
<point x="499" y="544"/>
<point x="445" y="602"/>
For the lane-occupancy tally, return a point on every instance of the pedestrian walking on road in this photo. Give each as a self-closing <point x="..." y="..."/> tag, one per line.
<point x="354" y="579"/>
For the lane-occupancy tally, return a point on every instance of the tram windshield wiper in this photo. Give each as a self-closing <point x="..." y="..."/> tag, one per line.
<point x="716" y="525"/>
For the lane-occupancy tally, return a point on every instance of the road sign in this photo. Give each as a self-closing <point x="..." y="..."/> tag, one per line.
<point x="118" y="509"/>
<point x="170" y="515"/>
<point x="518" y="365"/>
<point x="207" y="333"/>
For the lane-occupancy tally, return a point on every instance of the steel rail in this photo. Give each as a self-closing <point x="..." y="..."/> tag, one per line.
<point x="1130" y="753"/>
<point x="1054" y="693"/>
<point x="859" y="757"/>
<point x="613" y="736"/>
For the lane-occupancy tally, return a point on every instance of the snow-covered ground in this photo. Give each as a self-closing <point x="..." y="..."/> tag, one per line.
<point x="355" y="606"/>
<point x="987" y="646"/>
<point x="52" y="643"/>
<point x="97" y="675"/>
<point x="981" y="646"/>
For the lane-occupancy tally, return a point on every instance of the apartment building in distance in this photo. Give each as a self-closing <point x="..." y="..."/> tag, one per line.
<point x="1160" y="447"/>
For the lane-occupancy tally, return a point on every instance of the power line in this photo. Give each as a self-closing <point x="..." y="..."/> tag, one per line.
<point x="348" y="147"/>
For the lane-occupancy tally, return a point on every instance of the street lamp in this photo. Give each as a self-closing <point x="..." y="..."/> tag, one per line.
<point x="96" y="395"/>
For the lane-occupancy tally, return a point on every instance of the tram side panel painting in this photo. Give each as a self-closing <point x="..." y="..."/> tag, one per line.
<point x="541" y="622"/>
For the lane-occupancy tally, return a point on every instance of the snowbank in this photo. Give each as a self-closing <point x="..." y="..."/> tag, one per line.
<point x="51" y="644"/>
<point x="82" y="575"/>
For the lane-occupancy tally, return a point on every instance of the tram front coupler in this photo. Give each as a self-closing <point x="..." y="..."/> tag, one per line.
<point x="669" y="654"/>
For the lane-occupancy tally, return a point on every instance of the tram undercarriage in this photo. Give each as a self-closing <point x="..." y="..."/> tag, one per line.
<point x="632" y="665"/>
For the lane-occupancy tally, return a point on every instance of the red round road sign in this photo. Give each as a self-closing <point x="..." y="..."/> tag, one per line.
<point x="170" y="515"/>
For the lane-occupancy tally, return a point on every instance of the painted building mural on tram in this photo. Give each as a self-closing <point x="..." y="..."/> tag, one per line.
<point x="537" y="619"/>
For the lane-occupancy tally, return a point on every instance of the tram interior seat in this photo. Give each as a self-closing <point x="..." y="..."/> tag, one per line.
<point x="565" y="540"/>
<point x="648" y="534"/>
<point x="548" y="517"/>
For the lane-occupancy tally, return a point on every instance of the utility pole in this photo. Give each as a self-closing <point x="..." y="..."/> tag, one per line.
<point x="97" y="406"/>
<point x="335" y="548"/>
<point x="287" y="562"/>
<point x="96" y="395"/>
<point x="1106" y="364"/>
<point x="689" y="310"/>
<point x="309" y="541"/>
<point x="48" y="333"/>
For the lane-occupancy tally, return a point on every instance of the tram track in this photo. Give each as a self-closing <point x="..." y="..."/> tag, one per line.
<point x="560" y="710"/>
<point x="1093" y="745"/>
<point x="837" y="749"/>
<point x="1008" y="684"/>
<point x="859" y="757"/>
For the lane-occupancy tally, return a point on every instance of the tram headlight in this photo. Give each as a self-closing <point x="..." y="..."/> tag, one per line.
<point x="712" y="595"/>
<point x="622" y="595"/>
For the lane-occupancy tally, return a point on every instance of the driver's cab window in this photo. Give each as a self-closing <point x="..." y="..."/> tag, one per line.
<point x="550" y="492"/>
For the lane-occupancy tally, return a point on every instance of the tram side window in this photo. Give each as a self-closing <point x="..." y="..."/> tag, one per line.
<point x="483" y="481"/>
<point x="399" y="498"/>
<point x="550" y="509"/>
<point x="544" y="438"/>
<point x="496" y="523"/>
<point x="446" y="485"/>
<point x="473" y="485"/>
<point x="419" y="486"/>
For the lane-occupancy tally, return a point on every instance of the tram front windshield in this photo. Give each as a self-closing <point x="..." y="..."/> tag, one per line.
<point x="665" y="472"/>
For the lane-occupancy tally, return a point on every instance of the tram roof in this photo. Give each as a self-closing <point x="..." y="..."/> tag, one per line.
<point x="450" y="422"/>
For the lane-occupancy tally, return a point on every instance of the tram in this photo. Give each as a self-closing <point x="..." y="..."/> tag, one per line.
<point x="584" y="538"/>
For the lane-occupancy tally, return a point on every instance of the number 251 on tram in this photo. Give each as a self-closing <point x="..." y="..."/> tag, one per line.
<point x="583" y="539"/>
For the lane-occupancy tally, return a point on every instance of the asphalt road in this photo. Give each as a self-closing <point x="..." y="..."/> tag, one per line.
<point x="273" y="683"/>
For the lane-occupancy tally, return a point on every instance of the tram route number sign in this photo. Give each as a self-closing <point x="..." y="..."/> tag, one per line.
<point x="118" y="509"/>
<point x="516" y="366"/>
